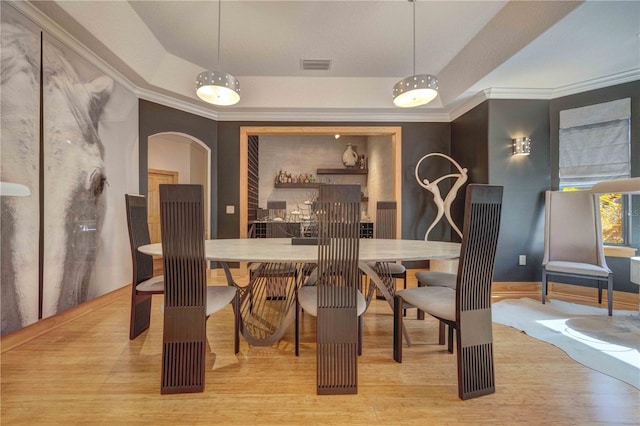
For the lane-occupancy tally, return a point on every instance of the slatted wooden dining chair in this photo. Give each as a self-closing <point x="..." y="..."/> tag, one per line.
<point x="188" y="300"/>
<point x="386" y="228"/>
<point x="143" y="284"/>
<point x="335" y="298"/>
<point x="467" y="308"/>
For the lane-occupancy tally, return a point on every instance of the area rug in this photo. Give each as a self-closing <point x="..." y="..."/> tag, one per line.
<point x="610" y="345"/>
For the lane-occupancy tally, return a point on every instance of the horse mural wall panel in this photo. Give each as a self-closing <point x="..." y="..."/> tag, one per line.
<point x="90" y="132"/>
<point x="74" y="181"/>
<point x="89" y="144"/>
<point x="19" y="163"/>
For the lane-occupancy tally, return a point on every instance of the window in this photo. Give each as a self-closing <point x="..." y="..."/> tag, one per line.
<point x="613" y="221"/>
<point x="595" y="146"/>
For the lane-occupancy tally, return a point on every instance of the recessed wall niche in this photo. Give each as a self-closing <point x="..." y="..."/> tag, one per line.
<point x="249" y="193"/>
<point x="305" y="154"/>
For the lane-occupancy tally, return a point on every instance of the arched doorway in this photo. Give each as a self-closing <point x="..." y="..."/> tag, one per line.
<point x="177" y="158"/>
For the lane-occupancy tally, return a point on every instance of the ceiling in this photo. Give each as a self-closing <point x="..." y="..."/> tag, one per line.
<point x="477" y="49"/>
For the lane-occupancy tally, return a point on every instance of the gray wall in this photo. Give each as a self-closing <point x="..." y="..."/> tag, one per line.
<point x="470" y="147"/>
<point x="481" y="141"/>
<point x="155" y="118"/>
<point x="418" y="139"/>
<point x="525" y="179"/>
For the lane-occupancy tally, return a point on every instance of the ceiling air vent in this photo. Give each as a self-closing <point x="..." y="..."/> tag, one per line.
<point x="315" y="64"/>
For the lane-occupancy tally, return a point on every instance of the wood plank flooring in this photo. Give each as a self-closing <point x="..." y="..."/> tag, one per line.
<point x="88" y="372"/>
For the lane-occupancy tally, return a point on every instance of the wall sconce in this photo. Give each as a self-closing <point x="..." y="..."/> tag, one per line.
<point x="522" y="146"/>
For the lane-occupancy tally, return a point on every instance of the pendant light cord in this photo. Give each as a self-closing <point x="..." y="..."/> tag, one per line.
<point x="219" y="3"/>
<point x="414" y="36"/>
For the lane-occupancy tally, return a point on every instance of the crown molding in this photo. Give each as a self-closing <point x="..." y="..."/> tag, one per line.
<point x="49" y="26"/>
<point x="467" y="106"/>
<point x="544" y="94"/>
<point x="597" y="83"/>
<point x="333" y="116"/>
<point x="523" y="93"/>
<point x="310" y="115"/>
<point x="172" y="102"/>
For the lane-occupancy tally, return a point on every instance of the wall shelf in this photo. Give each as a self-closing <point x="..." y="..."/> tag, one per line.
<point x="297" y="185"/>
<point x="353" y="171"/>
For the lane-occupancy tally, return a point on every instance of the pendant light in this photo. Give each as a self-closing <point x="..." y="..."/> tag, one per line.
<point x="217" y="87"/>
<point x="419" y="89"/>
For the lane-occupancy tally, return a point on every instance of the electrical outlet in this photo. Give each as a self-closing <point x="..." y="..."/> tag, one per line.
<point x="522" y="259"/>
<point x="231" y="209"/>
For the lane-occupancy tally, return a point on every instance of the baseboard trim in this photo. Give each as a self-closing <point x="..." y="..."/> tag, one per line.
<point x="500" y="290"/>
<point x="621" y="299"/>
<point x="45" y="325"/>
<point x="567" y="292"/>
<point x="515" y="290"/>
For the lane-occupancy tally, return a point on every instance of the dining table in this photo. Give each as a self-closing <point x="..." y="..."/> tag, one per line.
<point x="278" y="268"/>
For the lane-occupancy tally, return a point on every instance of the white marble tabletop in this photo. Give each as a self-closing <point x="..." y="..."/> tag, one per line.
<point x="281" y="250"/>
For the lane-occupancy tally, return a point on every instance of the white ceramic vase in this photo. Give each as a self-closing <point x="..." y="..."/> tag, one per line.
<point x="350" y="157"/>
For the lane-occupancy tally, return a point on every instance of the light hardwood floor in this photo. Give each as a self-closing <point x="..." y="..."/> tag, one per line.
<point x="87" y="371"/>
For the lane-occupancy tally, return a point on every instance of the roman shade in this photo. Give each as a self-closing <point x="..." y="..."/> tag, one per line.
<point x="594" y="143"/>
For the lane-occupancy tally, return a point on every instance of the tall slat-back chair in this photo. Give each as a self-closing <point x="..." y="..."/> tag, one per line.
<point x="188" y="299"/>
<point x="467" y="308"/>
<point x="335" y="298"/>
<point x="573" y="241"/>
<point x="386" y="224"/>
<point x="143" y="283"/>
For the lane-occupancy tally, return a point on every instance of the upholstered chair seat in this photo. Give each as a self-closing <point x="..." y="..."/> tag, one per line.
<point x="438" y="301"/>
<point x="394" y="268"/>
<point x="436" y="279"/>
<point x="308" y="299"/>
<point x="152" y="285"/>
<point x="219" y="297"/>
<point x="577" y="268"/>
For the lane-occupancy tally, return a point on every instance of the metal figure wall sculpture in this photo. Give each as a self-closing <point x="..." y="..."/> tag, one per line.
<point x="443" y="205"/>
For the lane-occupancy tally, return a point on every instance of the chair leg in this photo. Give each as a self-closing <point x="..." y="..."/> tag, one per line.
<point x="360" y="323"/>
<point x="599" y="292"/>
<point x="397" y="328"/>
<point x="404" y="286"/>
<point x="236" y="331"/>
<point x="544" y="285"/>
<point x="419" y="313"/>
<point x="440" y="332"/>
<point x="610" y="294"/>
<point x="140" y="314"/>
<point x="450" y="344"/>
<point x="297" y="328"/>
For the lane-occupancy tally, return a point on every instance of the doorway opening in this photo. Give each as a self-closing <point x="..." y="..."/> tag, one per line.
<point x="177" y="158"/>
<point x="393" y="136"/>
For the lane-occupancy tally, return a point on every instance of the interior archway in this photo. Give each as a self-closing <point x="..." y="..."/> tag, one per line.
<point x="187" y="155"/>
